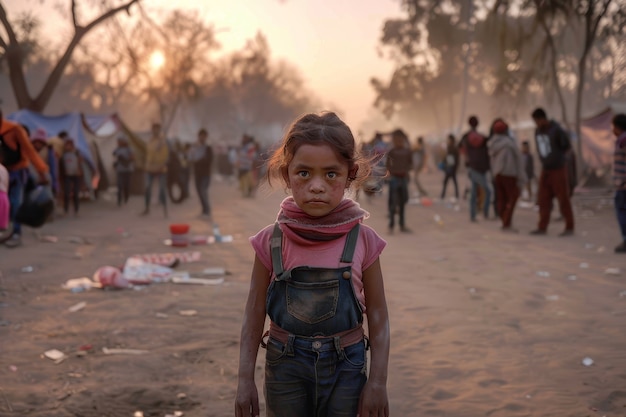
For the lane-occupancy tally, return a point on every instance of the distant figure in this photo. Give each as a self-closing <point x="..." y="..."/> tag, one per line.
<point x="18" y="154"/>
<point x="224" y="165"/>
<point x="477" y="154"/>
<point x="246" y="156"/>
<point x="619" y="176"/>
<point x="399" y="162"/>
<point x="71" y="170"/>
<point x="529" y="167"/>
<point x="375" y="150"/>
<point x="419" y="161"/>
<point x="201" y="156"/>
<point x="507" y="166"/>
<point x="552" y="144"/>
<point x="46" y="151"/>
<point x="124" y="165"/>
<point x="450" y="166"/>
<point x="157" y="155"/>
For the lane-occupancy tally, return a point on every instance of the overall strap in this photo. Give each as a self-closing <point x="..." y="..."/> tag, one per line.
<point x="276" y="250"/>
<point x="350" y="246"/>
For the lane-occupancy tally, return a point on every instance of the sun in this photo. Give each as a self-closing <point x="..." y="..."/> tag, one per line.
<point x="157" y="59"/>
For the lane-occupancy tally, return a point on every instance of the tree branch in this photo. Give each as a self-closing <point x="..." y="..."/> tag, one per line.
<point x="39" y="103"/>
<point x="74" y="18"/>
<point x="7" y="26"/>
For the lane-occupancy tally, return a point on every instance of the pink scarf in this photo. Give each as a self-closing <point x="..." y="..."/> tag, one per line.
<point x="302" y="228"/>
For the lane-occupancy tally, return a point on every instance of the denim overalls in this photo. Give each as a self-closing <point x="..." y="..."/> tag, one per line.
<point x="314" y="371"/>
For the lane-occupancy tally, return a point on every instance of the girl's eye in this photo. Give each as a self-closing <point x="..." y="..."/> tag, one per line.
<point x="302" y="174"/>
<point x="332" y="175"/>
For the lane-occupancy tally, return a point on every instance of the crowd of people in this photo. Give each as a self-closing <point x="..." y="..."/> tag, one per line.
<point x="499" y="170"/>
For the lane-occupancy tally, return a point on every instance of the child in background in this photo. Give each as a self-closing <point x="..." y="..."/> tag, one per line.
<point x="399" y="164"/>
<point x="321" y="256"/>
<point x="70" y="167"/>
<point x="451" y="166"/>
<point x="4" y="195"/>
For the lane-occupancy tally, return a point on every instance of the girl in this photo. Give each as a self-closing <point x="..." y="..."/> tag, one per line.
<point x="316" y="272"/>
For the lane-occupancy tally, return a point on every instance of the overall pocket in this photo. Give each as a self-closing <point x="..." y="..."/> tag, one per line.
<point x="312" y="302"/>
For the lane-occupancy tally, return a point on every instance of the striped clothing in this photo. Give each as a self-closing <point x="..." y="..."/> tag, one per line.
<point x="619" y="167"/>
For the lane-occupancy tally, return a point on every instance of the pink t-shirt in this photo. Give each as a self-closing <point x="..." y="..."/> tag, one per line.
<point x="324" y="254"/>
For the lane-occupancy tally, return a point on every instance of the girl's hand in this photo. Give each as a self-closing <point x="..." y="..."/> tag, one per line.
<point x="374" y="402"/>
<point x="247" y="400"/>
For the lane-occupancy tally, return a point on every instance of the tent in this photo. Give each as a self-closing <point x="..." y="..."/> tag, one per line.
<point x="598" y="141"/>
<point x="95" y="137"/>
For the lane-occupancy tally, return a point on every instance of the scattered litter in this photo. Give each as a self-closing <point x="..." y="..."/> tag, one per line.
<point x="426" y="202"/>
<point x="198" y="281"/>
<point x="622" y="294"/>
<point x="56" y="355"/>
<point x="110" y="277"/>
<point x="77" y="307"/>
<point x="85" y="348"/>
<point x="79" y="284"/>
<point x="139" y="272"/>
<point x="215" y="270"/>
<point x="28" y="269"/>
<point x="584" y="265"/>
<point x="176" y="414"/>
<point x="114" y="351"/>
<point x="552" y="298"/>
<point x="169" y="259"/>
<point x="188" y="313"/>
<point x="13" y="368"/>
<point x="589" y="245"/>
<point x="76" y="239"/>
<point x="138" y="414"/>
<point x="49" y="239"/>
<point x="601" y="249"/>
<point x="121" y="231"/>
<point x="181" y="396"/>
<point x="525" y="204"/>
<point x="572" y="277"/>
<point x="587" y="361"/>
<point x="472" y="290"/>
<point x="543" y="274"/>
<point x="612" y="271"/>
<point x="162" y="315"/>
<point x="438" y="219"/>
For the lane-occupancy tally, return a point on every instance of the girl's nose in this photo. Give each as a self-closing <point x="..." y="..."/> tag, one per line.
<point x="316" y="185"/>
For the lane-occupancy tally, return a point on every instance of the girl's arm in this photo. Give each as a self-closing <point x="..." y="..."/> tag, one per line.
<point x="374" y="400"/>
<point x="247" y="400"/>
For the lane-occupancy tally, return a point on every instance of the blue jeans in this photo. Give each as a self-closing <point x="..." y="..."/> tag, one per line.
<point x="620" y="209"/>
<point x="161" y="179"/>
<point x="308" y="378"/>
<point x="202" y="187"/>
<point x="479" y="180"/>
<point x="17" y="188"/>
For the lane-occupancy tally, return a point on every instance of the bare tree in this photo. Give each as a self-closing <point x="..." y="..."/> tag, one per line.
<point x="14" y="51"/>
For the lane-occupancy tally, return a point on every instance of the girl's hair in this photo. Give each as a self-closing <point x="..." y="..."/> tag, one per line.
<point x="325" y="128"/>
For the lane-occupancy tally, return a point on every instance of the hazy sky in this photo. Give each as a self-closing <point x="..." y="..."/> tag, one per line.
<point x="332" y="42"/>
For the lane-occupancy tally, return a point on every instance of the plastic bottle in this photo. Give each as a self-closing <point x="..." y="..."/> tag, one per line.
<point x="216" y="233"/>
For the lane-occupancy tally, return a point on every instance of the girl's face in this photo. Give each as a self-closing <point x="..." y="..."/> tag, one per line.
<point x="317" y="178"/>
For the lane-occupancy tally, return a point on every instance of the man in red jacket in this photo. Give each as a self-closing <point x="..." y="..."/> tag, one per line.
<point x="18" y="154"/>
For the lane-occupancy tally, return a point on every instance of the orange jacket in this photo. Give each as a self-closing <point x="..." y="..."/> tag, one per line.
<point x="13" y="134"/>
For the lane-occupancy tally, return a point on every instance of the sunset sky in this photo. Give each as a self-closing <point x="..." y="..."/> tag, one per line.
<point x="332" y="42"/>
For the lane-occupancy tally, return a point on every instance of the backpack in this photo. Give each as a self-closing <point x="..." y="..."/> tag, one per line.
<point x="11" y="156"/>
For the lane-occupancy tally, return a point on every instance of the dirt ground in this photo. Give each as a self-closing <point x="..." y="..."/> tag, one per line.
<point x="483" y="323"/>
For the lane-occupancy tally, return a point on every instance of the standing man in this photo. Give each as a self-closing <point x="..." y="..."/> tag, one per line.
<point x="419" y="161"/>
<point x="552" y="144"/>
<point x="124" y="166"/>
<point x="201" y="156"/>
<point x="399" y="163"/>
<point x="18" y="154"/>
<point x="157" y="155"/>
<point x="477" y="154"/>
<point x="619" y="176"/>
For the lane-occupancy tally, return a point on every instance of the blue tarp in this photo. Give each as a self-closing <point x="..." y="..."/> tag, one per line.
<point x="72" y="123"/>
